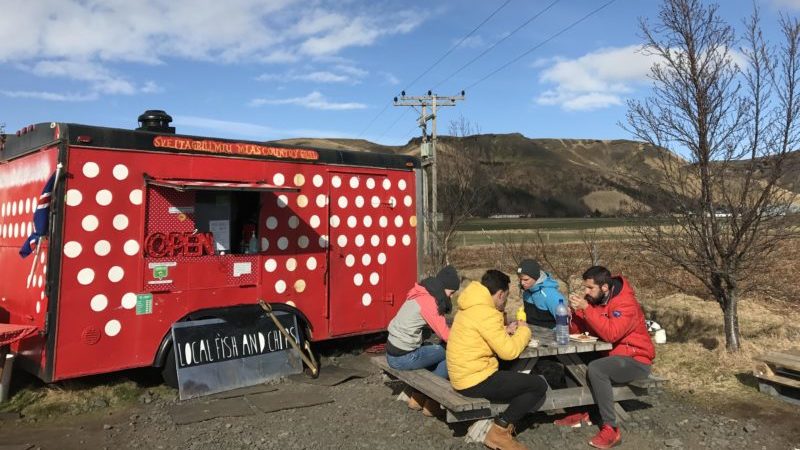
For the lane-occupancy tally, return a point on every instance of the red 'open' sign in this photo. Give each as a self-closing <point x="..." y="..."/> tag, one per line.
<point x="160" y="245"/>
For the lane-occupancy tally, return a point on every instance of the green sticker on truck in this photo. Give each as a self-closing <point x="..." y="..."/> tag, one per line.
<point x="144" y="304"/>
<point x="160" y="272"/>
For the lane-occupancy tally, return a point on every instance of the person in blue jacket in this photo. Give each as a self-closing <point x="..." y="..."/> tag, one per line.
<point x="540" y="294"/>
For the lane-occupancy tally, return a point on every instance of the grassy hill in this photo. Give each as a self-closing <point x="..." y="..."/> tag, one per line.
<point x="549" y="177"/>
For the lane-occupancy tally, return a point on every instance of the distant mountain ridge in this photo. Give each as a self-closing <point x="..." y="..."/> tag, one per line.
<point x="547" y="177"/>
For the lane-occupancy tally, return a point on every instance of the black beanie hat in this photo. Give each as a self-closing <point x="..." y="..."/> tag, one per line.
<point x="449" y="278"/>
<point x="530" y="268"/>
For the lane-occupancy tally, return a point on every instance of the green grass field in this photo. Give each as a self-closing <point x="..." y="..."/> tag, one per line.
<point x="493" y="231"/>
<point x="571" y="223"/>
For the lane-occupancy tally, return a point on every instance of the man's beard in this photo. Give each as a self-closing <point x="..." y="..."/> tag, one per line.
<point x="593" y="300"/>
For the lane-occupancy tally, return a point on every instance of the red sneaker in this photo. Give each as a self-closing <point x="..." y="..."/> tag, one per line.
<point x="607" y="437"/>
<point x="574" y="420"/>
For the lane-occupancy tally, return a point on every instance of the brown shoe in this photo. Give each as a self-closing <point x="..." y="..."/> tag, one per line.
<point x="416" y="400"/>
<point x="499" y="438"/>
<point x="431" y="408"/>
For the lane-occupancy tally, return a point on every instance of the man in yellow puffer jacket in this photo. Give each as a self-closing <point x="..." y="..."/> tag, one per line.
<point x="478" y="337"/>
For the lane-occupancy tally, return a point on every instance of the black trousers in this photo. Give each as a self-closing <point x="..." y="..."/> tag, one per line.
<point x="612" y="369"/>
<point x="523" y="392"/>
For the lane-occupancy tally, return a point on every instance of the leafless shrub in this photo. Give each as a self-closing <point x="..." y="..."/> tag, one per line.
<point x="736" y="126"/>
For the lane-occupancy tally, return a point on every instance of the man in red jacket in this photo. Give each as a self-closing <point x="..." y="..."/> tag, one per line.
<point x="610" y="311"/>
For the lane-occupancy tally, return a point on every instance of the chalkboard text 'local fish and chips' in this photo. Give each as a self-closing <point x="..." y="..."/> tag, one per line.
<point x="224" y="341"/>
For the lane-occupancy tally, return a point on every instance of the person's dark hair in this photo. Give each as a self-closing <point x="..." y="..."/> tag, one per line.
<point x="494" y="280"/>
<point x="599" y="274"/>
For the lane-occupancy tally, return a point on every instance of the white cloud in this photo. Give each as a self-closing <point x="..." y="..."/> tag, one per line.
<point x="151" y="87"/>
<point x="356" y="33"/>
<point x="314" y="100"/>
<point x="579" y="102"/>
<point x="390" y="78"/>
<point x="794" y="4"/>
<point x="246" y="129"/>
<point x="224" y="126"/>
<point x="104" y="32"/>
<point x="596" y="80"/>
<point x="542" y="62"/>
<point x="471" y="42"/>
<point x="100" y="79"/>
<point x="325" y="77"/>
<point x="50" y="96"/>
<point x="351" y="70"/>
<point x="340" y="74"/>
<point x="318" y="77"/>
<point x="319" y="21"/>
<point x="359" y="31"/>
<point x="210" y="30"/>
<point x="602" y="78"/>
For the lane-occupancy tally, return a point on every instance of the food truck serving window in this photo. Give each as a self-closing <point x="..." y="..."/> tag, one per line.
<point x="225" y="211"/>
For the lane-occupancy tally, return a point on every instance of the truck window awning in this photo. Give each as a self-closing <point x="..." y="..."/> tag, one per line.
<point x="217" y="185"/>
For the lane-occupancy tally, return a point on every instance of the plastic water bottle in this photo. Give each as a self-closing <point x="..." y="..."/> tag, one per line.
<point x="562" y="323"/>
<point x="252" y="246"/>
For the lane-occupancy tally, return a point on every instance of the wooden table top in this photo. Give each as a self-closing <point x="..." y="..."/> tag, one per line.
<point x="548" y="347"/>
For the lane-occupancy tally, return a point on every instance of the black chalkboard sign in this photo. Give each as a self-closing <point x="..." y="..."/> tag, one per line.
<point x="207" y="342"/>
<point x="215" y="355"/>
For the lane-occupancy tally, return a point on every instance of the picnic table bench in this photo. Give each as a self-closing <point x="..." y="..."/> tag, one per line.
<point x="460" y="408"/>
<point x="778" y="374"/>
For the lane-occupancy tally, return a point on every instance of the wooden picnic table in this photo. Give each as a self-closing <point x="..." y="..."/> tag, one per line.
<point x="578" y="394"/>
<point x="567" y="355"/>
<point x="480" y="411"/>
<point x="548" y="347"/>
<point x="778" y="374"/>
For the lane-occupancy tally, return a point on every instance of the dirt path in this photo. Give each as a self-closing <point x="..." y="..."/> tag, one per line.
<point x="364" y="415"/>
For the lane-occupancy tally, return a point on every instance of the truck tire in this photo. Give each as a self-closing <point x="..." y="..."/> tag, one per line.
<point x="169" y="372"/>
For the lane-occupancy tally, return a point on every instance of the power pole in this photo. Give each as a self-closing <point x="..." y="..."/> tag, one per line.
<point x="428" y="154"/>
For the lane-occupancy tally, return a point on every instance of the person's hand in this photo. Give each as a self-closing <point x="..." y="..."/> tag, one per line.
<point x="512" y="327"/>
<point x="577" y="302"/>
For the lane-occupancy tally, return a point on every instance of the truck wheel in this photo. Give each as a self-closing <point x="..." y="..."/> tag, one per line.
<point x="169" y="373"/>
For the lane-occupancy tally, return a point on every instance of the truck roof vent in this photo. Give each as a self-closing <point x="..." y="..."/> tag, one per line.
<point x="155" y="120"/>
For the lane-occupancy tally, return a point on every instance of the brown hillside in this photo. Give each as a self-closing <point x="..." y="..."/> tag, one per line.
<point x="546" y="177"/>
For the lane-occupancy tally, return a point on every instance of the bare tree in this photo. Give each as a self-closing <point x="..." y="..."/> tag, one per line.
<point x="460" y="194"/>
<point x="735" y="124"/>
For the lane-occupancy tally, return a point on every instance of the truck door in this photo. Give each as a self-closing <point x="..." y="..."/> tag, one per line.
<point x="358" y="221"/>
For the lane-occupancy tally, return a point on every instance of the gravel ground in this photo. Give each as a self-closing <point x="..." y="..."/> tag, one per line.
<point x="364" y="414"/>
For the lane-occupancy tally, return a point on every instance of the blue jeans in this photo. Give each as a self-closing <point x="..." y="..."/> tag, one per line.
<point x="431" y="357"/>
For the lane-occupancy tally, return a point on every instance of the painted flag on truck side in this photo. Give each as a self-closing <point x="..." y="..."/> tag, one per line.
<point x="41" y="218"/>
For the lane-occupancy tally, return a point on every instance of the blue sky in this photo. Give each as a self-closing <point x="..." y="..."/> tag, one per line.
<point x="275" y="69"/>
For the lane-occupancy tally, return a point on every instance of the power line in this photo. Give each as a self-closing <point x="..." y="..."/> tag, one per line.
<point x="458" y="44"/>
<point x="441" y="58"/>
<point x="393" y="123"/>
<point x="537" y="46"/>
<point x="492" y="47"/>
<point x="374" y="119"/>
<point x="503" y="39"/>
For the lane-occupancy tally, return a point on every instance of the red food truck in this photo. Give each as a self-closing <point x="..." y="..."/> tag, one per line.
<point x="127" y="232"/>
